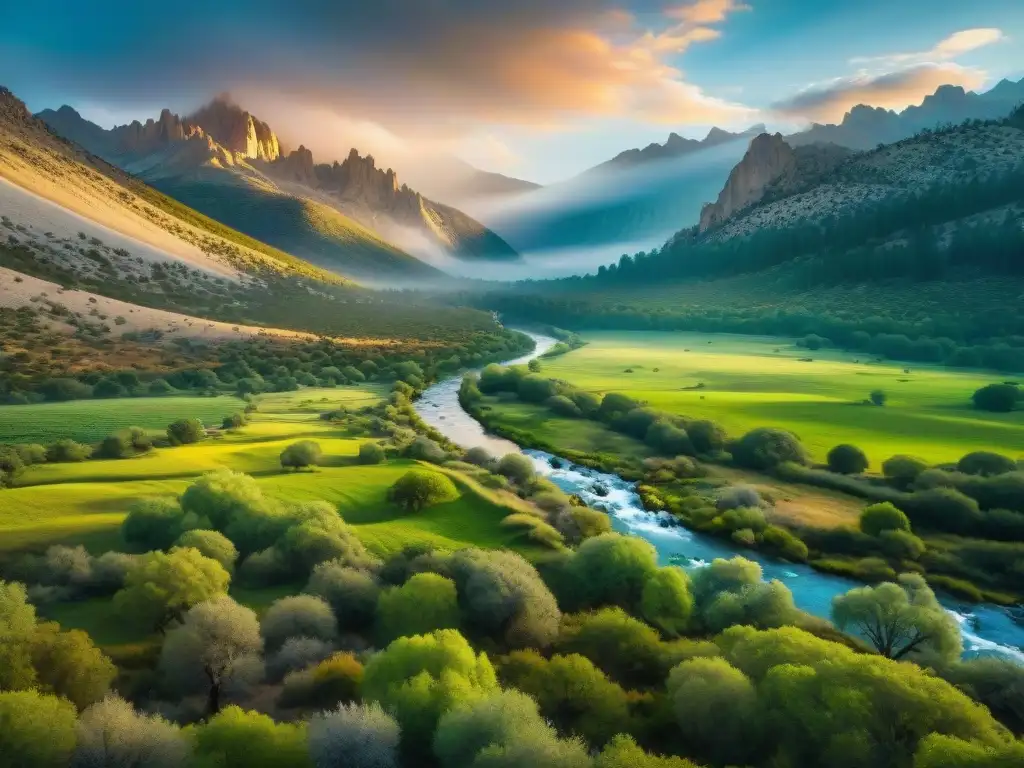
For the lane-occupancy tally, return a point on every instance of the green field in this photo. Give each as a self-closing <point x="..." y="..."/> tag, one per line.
<point x="89" y="421"/>
<point x="751" y="381"/>
<point x="85" y="502"/>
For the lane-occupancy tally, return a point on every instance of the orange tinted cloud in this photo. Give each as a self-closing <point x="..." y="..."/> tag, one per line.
<point x="892" y="90"/>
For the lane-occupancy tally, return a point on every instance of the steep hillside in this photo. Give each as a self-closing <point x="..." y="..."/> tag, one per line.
<point x="865" y="127"/>
<point x="228" y="164"/>
<point x="71" y="219"/>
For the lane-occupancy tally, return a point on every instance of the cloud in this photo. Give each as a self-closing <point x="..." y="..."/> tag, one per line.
<point x="957" y="44"/>
<point x="828" y="102"/>
<point x="893" y="81"/>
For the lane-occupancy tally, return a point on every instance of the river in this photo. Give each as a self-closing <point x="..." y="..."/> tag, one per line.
<point x="986" y="628"/>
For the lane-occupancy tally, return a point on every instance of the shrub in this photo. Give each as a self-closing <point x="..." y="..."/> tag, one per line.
<point x="986" y="463"/>
<point x="766" y="448"/>
<point x="351" y="593"/>
<point x="782" y="543"/>
<point x="903" y="470"/>
<point x="67" y="451"/>
<point x="185" y="431"/>
<point x="234" y="421"/>
<point x="879" y="398"/>
<point x="418" y="489"/>
<point x="563" y="406"/>
<point x="666" y="601"/>
<point x="296" y="654"/>
<point x="425" y="449"/>
<point x="301" y="454"/>
<point x="31" y="453"/>
<point x="334" y="681"/>
<point x="668" y="439"/>
<point x="883" y="517"/>
<point x="297" y="616"/>
<point x="516" y="467"/>
<point x="738" y="496"/>
<point x="612" y="570"/>
<point x="212" y="544"/>
<point x="847" y="460"/>
<point x="706" y="436"/>
<point x="354" y="736"/>
<point x="371" y="453"/>
<point x="425" y="603"/>
<point x="479" y="457"/>
<point x="997" y="398"/>
<point x="112" y="733"/>
<point x="944" y="509"/>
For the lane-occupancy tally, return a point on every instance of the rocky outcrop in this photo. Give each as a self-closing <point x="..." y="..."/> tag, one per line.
<point x="359" y="180"/>
<point x="138" y="139"/>
<point x="297" y="166"/>
<point x="768" y="158"/>
<point x="238" y="131"/>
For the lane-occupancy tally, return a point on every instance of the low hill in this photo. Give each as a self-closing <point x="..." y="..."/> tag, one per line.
<point x="230" y="165"/>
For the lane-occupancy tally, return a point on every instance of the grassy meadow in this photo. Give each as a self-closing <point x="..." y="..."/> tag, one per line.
<point x="751" y="381"/>
<point x="85" y="502"/>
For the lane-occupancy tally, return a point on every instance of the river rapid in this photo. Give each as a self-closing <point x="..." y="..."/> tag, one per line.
<point x="987" y="629"/>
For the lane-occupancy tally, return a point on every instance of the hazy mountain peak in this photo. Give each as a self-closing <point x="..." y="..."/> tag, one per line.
<point x="237" y="130"/>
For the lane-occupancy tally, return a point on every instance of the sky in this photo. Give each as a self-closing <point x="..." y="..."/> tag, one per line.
<point x="538" y="89"/>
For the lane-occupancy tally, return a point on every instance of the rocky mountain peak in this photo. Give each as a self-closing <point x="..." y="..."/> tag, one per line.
<point x="297" y="166"/>
<point x="237" y="130"/>
<point x="768" y="158"/>
<point x="12" y="107"/>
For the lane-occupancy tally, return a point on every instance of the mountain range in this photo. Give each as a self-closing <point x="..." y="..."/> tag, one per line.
<point x="351" y="217"/>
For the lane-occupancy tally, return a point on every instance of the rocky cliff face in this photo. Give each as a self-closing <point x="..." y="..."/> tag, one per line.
<point x="359" y="180"/>
<point x="238" y="131"/>
<point x="139" y="138"/>
<point x="297" y="166"/>
<point x="768" y="158"/>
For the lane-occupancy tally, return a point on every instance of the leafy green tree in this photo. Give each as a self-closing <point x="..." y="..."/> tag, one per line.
<point x="301" y="454"/>
<point x="418" y="489"/>
<point x="876" y="518"/>
<point x="211" y="544"/>
<point x="234" y="421"/>
<point x="425" y="603"/>
<point x="997" y="682"/>
<point x="903" y="470"/>
<point x="847" y="460"/>
<point x="70" y="665"/>
<point x="573" y="694"/>
<point x="997" y="398"/>
<point x="879" y="397"/>
<point x="160" y="586"/>
<point x="298" y="616"/>
<point x="335" y="680"/>
<point x="626" y="649"/>
<point x="424" y="449"/>
<point x="623" y="752"/>
<point x="112" y="733"/>
<point x="612" y="570"/>
<point x="235" y="738"/>
<point x="234" y="504"/>
<point x="185" y="431"/>
<point x="31" y="453"/>
<point x="766" y="448"/>
<point x="707" y="436"/>
<point x="418" y="679"/>
<point x="352" y="593"/>
<point x="729" y="592"/>
<point x="37" y="730"/>
<point x="986" y="464"/>
<point x="900" y="619"/>
<point x="716" y="709"/>
<point x="371" y="453"/>
<point x="67" y="451"/>
<point x="354" y="736"/>
<point x="503" y="596"/>
<point x="17" y="637"/>
<point x="516" y="467"/>
<point x="153" y="524"/>
<point x="666" y="601"/>
<point x="940" y="751"/>
<point x="217" y="643"/>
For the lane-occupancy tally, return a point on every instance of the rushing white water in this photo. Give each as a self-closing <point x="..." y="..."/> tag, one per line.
<point x="986" y="629"/>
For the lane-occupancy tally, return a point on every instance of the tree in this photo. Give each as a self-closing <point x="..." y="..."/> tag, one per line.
<point x="37" y="730"/>
<point x="153" y="524"/>
<point x="729" y="592"/>
<point x="623" y="752"/>
<point x="235" y="738"/>
<point x="333" y="681"/>
<point x="17" y="634"/>
<point x="185" y="431"/>
<point x="847" y="460"/>
<point x="986" y="464"/>
<point x="425" y="603"/>
<point x="217" y="643"/>
<point x="516" y="467"/>
<point x="234" y="421"/>
<point x="371" y="453"/>
<point x="211" y="544"/>
<point x="573" y="694"/>
<point x="160" y="586"/>
<point x="666" y="601"/>
<point x="626" y="649"/>
<point x="997" y="398"/>
<point x="418" y="489"/>
<point x="297" y="653"/>
<point x="479" y="456"/>
<point x="298" y="616"/>
<point x="899" y="619"/>
<point x="878" y="397"/>
<point x="424" y="449"/>
<point x="766" y="448"/>
<point x="68" y="664"/>
<point x="489" y="732"/>
<point x="302" y="454"/>
<point x="352" y="593"/>
<point x="417" y="679"/>
<point x="706" y="436"/>
<point x="354" y="736"/>
<point x="877" y="518"/>
<point x="903" y="470"/>
<point x="716" y="709"/>
<point x="112" y="733"/>
<point x="233" y="503"/>
<point x="612" y="570"/>
<point x="503" y="596"/>
<point x="940" y="751"/>
<point x="67" y="451"/>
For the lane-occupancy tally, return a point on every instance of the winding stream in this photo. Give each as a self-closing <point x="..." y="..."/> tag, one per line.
<point x="986" y="628"/>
